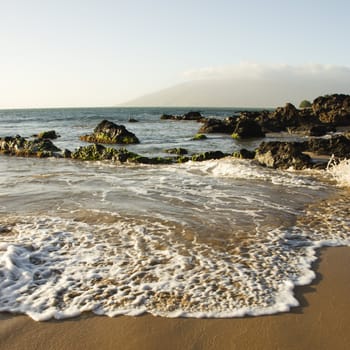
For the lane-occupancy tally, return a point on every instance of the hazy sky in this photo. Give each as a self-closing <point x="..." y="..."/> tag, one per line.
<point x="101" y="53"/>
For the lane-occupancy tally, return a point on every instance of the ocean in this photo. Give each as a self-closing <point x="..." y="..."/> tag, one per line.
<point x="220" y="238"/>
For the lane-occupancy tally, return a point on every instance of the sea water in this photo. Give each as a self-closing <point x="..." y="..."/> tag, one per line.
<point x="220" y="238"/>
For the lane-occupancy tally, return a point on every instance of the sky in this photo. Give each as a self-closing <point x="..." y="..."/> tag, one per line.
<point x="56" y="53"/>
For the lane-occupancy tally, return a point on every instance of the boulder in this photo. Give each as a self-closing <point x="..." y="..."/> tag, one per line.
<point x="284" y="117"/>
<point x="247" y="128"/>
<point x="51" y="134"/>
<point x="244" y="154"/>
<point x="283" y="155"/>
<point x="222" y="126"/>
<point x="333" y="109"/>
<point x="110" y="133"/>
<point x="199" y="137"/>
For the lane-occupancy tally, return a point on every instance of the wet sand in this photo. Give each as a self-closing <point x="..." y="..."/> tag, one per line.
<point x="321" y="322"/>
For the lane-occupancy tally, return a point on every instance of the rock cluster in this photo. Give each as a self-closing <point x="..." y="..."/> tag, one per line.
<point x="192" y="115"/>
<point x="21" y="147"/>
<point x="327" y="113"/>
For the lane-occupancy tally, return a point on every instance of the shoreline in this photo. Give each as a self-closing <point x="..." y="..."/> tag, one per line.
<point x="322" y="321"/>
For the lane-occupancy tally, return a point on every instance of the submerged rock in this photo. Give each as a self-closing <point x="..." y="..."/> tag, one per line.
<point x="208" y="156"/>
<point x="110" y="133"/>
<point x="179" y="151"/>
<point x="199" y="137"/>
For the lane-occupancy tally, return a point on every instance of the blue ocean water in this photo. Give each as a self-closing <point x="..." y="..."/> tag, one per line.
<point x="221" y="238"/>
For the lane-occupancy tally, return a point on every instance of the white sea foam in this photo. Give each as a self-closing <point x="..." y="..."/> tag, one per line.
<point x="340" y="171"/>
<point x="243" y="169"/>
<point x="59" y="267"/>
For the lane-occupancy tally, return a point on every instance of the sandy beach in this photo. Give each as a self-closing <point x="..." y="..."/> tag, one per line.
<point x="321" y="322"/>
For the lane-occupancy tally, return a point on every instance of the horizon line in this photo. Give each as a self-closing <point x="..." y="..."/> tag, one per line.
<point x="121" y="106"/>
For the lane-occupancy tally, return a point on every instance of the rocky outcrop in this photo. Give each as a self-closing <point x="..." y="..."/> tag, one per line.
<point x="19" y="146"/>
<point x="222" y="126"/>
<point x="110" y="133"/>
<point x="333" y="109"/>
<point x="339" y="146"/>
<point x="283" y="155"/>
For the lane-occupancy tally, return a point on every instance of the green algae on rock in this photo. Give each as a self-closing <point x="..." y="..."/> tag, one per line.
<point x="110" y="133"/>
<point x="21" y="147"/>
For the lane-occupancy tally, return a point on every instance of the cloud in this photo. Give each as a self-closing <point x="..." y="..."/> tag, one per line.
<point x="257" y="71"/>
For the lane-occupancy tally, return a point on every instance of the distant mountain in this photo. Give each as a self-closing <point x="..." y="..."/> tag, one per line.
<point x="240" y="93"/>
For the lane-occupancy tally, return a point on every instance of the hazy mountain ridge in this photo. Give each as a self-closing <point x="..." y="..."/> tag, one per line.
<point x="240" y="93"/>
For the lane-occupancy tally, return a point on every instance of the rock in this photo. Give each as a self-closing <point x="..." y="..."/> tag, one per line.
<point x="167" y="117"/>
<point x="199" y="137"/>
<point x="338" y="145"/>
<point x="192" y="115"/>
<point x="208" y="156"/>
<point x="179" y="151"/>
<point x="67" y="153"/>
<point x="110" y="133"/>
<point x="98" y="152"/>
<point x="333" y="109"/>
<point x="312" y="130"/>
<point x="212" y="125"/>
<point x="247" y="128"/>
<point x="284" y="117"/>
<point x="282" y="155"/>
<point x="187" y="116"/>
<point x="320" y="130"/>
<point x="244" y="154"/>
<point x="48" y="135"/>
